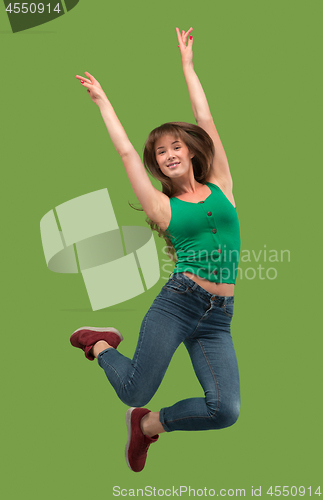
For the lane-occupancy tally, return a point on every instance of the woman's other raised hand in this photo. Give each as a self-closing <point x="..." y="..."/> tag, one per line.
<point x="184" y="46"/>
<point x="94" y="89"/>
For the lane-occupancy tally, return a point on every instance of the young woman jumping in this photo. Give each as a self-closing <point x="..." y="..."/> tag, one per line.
<point x="196" y="213"/>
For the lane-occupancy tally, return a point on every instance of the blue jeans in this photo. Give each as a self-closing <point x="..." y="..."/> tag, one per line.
<point x="182" y="312"/>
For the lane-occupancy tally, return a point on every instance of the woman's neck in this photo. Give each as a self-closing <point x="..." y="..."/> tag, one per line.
<point x="188" y="185"/>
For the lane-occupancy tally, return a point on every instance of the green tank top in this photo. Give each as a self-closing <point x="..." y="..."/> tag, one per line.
<point x="206" y="236"/>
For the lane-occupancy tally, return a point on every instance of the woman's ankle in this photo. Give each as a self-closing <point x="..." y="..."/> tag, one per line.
<point x="100" y="346"/>
<point x="150" y="424"/>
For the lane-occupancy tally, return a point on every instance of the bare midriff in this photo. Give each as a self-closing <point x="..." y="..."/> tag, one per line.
<point x="222" y="289"/>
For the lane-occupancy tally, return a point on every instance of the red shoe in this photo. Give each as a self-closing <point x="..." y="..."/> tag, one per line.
<point x="87" y="336"/>
<point x="137" y="444"/>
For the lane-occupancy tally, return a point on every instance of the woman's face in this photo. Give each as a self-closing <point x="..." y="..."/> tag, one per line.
<point x="173" y="156"/>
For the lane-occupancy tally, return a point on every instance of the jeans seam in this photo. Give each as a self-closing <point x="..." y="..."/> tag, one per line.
<point x="176" y="290"/>
<point x="134" y="362"/>
<point x="217" y="390"/>
<point x="214" y="377"/>
<point x="102" y="360"/>
<point x="198" y="324"/>
<point x="228" y="315"/>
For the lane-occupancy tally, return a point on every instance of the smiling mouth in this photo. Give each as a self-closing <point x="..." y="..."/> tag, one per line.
<point x="171" y="165"/>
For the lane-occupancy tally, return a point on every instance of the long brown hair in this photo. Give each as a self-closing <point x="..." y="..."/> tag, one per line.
<point x="198" y="142"/>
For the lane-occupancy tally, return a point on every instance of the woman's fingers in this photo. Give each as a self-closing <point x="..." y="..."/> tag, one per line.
<point x="87" y="85"/>
<point x="90" y="83"/>
<point x="92" y="86"/>
<point x="190" y="40"/>
<point x="182" y="36"/>
<point x="83" y="78"/>
<point x="93" y="80"/>
<point x="185" y="35"/>
<point x="179" y="36"/>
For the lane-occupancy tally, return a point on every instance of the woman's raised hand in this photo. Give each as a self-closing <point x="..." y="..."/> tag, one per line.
<point x="184" y="46"/>
<point x="93" y="87"/>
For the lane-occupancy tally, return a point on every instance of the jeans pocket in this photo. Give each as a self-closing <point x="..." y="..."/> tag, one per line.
<point x="228" y="310"/>
<point x="173" y="285"/>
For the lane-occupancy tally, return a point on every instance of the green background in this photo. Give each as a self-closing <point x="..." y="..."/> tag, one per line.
<point x="260" y="65"/>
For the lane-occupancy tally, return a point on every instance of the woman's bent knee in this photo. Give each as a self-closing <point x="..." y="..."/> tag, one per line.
<point x="229" y="414"/>
<point x="135" y="398"/>
<point x="225" y="415"/>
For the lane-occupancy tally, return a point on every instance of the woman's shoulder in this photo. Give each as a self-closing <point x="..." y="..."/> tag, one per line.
<point x="225" y="187"/>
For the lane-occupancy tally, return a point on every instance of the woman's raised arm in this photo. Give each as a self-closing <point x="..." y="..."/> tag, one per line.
<point x="202" y="114"/>
<point x="150" y="198"/>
